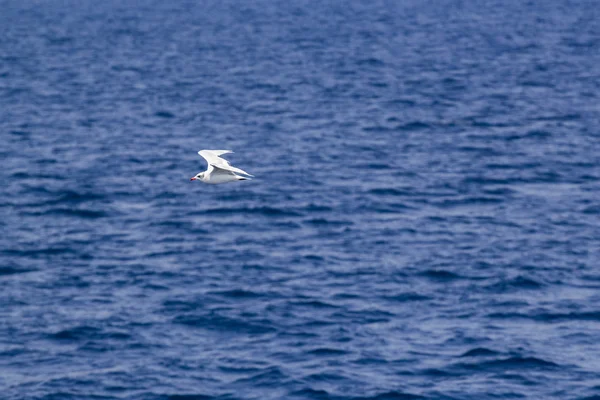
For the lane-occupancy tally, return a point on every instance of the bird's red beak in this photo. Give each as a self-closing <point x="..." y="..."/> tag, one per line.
<point x="193" y="179"/>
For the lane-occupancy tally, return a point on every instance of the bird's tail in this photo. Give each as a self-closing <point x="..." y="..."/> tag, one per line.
<point x="243" y="178"/>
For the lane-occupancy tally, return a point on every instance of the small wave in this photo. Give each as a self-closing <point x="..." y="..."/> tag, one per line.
<point x="441" y="275"/>
<point x="550" y="317"/>
<point x="394" y="395"/>
<point x="390" y="192"/>
<point x="12" y="270"/>
<point x="237" y="293"/>
<point x="71" y="212"/>
<point x="370" y="361"/>
<point x="170" y="306"/>
<point x="178" y="224"/>
<point x="371" y="62"/>
<point x="220" y="323"/>
<point x="317" y="208"/>
<point x="313" y="304"/>
<point x="87" y="333"/>
<point x="503" y="191"/>
<point x="191" y="397"/>
<point x="515" y="363"/>
<point x="309" y="393"/>
<point x="593" y="397"/>
<point x="20" y="133"/>
<point x="324" y="377"/>
<point x="376" y="129"/>
<point x="436" y="372"/>
<point x="365" y="316"/>
<point x="517" y="283"/>
<point x="592" y="210"/>
<point x="479" y="352"/>
<point x="37" y="252"/>
<point x="486" y="151"/>
<point x="69" y="196"/>
<point x="534" y="134"/>
<point x="314" y="258"/>
<point x="267" y="211"/>
<point x="164" y="114"/>
<point x="413" y="126"/>
<point x="269" y="376"/>
<point x="469" y="200"/>
<point x="572" y="316"/>
<point x="484" y="180"/>
<point x="405" y="297"/>
<point x="385" y="208"/>
<point x="326" y="351"/>
<point x="324" y="221"/>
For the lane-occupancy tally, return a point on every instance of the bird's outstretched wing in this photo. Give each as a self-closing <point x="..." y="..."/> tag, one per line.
<point x="212" y="158"/>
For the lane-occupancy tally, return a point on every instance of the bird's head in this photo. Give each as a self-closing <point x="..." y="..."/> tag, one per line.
<point x="199" y="176"/>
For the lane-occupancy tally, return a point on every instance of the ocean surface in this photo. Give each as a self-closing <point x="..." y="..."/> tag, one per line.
<point x="424" y="222"/>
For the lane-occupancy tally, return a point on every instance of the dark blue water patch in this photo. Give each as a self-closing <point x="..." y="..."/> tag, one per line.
<point x="388" y="208"/>
<point x="266" y="378"/>
<point x="393" y="395"/>
<point x="441" y="275"/>
<point x="370" y="62"/>
<point x="64" y="395"/>
<point x="265" y="211"/>
<point x="375" y="166"/>
<point x="86" y="214"/>
<point x="519" y="378"/>
<point x="469" y="201"/>
<point x="40" y="253"/>
<point x="314" y="258"/>
<point x="324" y="377"/>
<point x="195" y="397"/>
<point x="317" y="208"/>
<point x="164" y="114"/>
<point x="216" y="322"/>
<point x="591" y="210"/>
<point x="518" y="283"/>
<point x="371" y="361"/>
<point x="240" y="294"/>
<point x="439" y="373"/>
<point x="179" y="224"/>
<point x="310" y="393"/>
<point x="175" y="306"/>
<point x="572" y="316"/>
<point x="549" y="317"/>
<point x="377" y="129"/>
<point x="481" y="151"/>
<point x="479" y="352"/>
<point x="72" y="197"/>
<point x="236" y="196"/>
<point x="511" y="363"/>
<point x="364" y="316"/>
<point x="500" y="191"/>
<point x="391" y="192"/>
<point x="87" y="333"/>
<point x="313" y="304"/>
<point x="327" y="222"/>
<point x="533" y="134"/>
<point x="407" y="297"/>
<point x="413" y="126"/>
<point x="328" y="352"/>
<point x="7" y="270"/>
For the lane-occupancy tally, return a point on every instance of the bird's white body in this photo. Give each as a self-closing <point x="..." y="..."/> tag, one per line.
<point x="219" y="170"/>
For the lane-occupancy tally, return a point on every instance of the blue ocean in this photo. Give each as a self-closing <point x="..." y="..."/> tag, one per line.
<point x="424" y="221"/>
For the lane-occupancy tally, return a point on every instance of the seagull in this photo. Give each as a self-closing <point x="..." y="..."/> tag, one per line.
<point x="219" y="170"/>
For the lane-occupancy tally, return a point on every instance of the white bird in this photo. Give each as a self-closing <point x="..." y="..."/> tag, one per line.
<point x="219" y="170"/>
